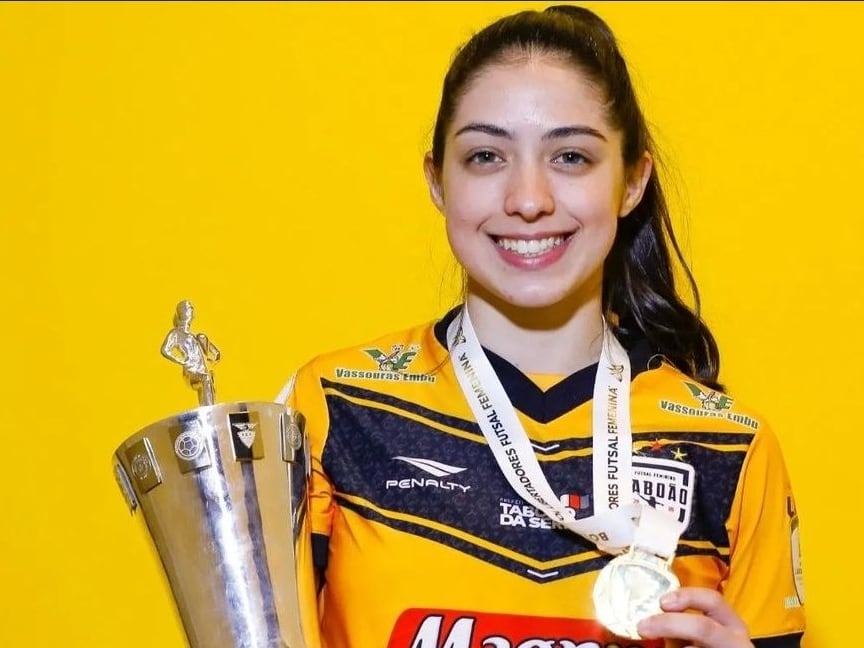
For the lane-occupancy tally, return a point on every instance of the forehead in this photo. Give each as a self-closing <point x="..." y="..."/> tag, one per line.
<point x="539" y="91"/>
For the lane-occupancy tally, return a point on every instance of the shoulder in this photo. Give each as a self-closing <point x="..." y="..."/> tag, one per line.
<point x="676" y="399"/>
<point x="412" y="350"/>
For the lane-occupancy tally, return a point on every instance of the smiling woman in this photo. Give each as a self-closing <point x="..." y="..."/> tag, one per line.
<point x="265" y="161"/>
<point x="533" y="464"/>
<point x="532" y="199"/>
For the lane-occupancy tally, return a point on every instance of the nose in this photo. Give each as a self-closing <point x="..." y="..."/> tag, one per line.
<point x="529" y="195"/>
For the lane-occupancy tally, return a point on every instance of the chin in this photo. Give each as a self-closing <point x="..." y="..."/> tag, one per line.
<point x="534" y="299"/>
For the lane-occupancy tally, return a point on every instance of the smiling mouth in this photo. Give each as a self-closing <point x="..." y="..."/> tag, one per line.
<point x="530" y="247"/>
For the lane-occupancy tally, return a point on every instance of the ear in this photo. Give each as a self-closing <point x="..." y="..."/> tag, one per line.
<point x="637" y="179"/>
<point x="431" y="174"/>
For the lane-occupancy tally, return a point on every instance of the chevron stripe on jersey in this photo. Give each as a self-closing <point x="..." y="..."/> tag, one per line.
<point x="474" y="509"/>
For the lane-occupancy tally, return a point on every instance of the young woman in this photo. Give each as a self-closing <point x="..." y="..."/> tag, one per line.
<point x="548" y="462"/>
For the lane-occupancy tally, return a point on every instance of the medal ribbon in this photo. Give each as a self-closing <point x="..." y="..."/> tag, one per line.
<point x="612" y="526"/>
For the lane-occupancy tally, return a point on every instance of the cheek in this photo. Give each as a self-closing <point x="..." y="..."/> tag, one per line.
<point x="469" y="201"/>
<point x="462" y="235"/>
<point x="594" y="205"/>
<point x="466" y="242"/>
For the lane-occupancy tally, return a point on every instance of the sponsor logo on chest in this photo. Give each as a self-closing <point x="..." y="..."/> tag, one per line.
<point x="707" y="404"/>
<point x="666" y="485"/>
<point x="442" y="476"/>
<point x="392" y="366"/>
<point x="517" y="513"/>
<point x="463" y="629"/>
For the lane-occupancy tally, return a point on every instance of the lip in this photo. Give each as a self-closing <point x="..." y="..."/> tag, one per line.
<point x="539" y="261"/>
<point x="534" y="236"/>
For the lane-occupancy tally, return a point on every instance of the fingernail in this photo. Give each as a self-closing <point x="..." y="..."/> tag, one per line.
<point x="645" y="627"/>
<point x="669" y="599"/>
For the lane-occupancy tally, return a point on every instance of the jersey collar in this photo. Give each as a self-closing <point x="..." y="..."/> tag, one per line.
<point x="571" y="392"/>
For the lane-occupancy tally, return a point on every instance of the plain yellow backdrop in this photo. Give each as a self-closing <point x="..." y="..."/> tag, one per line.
<point x="264" y="161"/>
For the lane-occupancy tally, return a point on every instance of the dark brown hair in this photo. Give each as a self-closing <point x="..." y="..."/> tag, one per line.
<point x="639" y="292"/>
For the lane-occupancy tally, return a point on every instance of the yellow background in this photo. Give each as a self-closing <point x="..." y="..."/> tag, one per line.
<point x="264" y="160"/>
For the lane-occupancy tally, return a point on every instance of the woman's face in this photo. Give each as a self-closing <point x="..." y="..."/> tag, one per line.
<point x="533" y="183"/>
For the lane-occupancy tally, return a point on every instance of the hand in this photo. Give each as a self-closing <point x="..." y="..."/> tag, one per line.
<point x="719" y="626"/>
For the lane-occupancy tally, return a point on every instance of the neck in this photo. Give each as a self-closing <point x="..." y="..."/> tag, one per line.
<point x="560" y="339"/>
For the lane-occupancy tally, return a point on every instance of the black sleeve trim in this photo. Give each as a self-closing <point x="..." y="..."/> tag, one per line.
<point x="783" y="641"/>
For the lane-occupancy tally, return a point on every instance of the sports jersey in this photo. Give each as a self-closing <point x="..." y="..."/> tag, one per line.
<point x="422" y="543"/>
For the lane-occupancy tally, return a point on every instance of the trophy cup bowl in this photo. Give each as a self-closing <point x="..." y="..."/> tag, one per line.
<point x="222" y="489"/>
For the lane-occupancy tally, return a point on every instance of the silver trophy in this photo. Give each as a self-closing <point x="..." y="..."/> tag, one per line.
<point x="223" y="490"/>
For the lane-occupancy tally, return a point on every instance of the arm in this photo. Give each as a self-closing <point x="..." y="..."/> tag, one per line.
<point x="304" y="395"/>
<point x="168" y="347"/>
<point x="211" y="351"/>
<point x="764" y="582"/>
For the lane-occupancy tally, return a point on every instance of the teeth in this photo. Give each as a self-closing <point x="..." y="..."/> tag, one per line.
<point x="534" y="247"/>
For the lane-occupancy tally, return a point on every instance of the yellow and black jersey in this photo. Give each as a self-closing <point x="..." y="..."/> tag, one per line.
<point x="422" y="543"/>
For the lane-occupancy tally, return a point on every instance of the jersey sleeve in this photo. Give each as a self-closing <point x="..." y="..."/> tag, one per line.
<point x="305" y="396"/>
<point x="765" y="583"/>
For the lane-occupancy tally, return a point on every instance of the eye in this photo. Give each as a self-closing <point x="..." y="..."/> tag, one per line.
<point x="484" y="157"/>
<point x="570" y="157"/>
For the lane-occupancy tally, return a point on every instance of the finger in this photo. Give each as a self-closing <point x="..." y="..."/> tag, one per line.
<point x="695" y="628"/>
<point x="707" y="601"/>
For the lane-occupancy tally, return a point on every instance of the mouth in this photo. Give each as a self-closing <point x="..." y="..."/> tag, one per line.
<point x="529" y="248"/>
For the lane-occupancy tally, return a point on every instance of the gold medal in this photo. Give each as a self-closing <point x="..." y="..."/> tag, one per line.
<point x="629" y="589"/>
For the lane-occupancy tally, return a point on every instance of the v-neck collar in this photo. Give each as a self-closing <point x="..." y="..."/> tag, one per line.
<point x="569" y="393"/>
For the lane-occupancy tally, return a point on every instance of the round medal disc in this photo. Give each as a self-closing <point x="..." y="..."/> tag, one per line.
<point x="629" y="589"/>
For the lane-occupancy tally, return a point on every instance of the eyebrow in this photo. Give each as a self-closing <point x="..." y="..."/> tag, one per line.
<point x="556" y="133"/>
